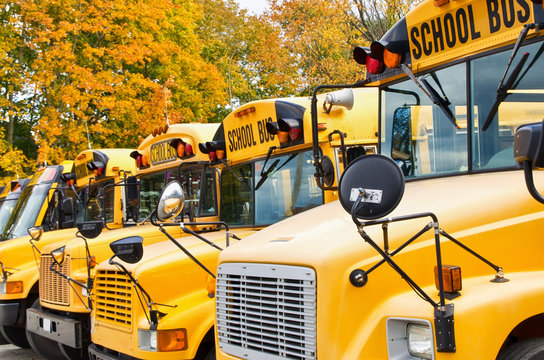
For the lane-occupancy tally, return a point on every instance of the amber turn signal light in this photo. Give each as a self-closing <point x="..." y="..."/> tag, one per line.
<point x="452" y="278"/>
<point x="172" y="340"/>
<point x="14" y="287"/>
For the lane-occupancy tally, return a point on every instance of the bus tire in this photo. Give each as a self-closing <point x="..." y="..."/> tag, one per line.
<point x="74" y="354"/>
<point x="530" y="349"/>
<point x="15" y="336"/>
<point x="210" y="355"/>
<point x="47" y="348"/>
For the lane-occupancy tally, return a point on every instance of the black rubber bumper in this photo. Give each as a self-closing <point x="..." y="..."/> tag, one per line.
<point x="99" y="353"/>
<point x="9" y="313"/>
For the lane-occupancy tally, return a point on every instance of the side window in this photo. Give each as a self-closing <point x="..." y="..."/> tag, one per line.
<point x="208" y="202"/>
<point x="150" y="190"/>
<point x="237" y="196"/>
<point x="417" y="133"/>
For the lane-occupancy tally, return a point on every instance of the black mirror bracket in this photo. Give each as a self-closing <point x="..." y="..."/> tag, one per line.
<point x="319" y="173"/>
<point x="443" y="313"/>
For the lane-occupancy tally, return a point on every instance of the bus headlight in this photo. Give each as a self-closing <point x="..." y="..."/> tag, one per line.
<point x="420" y="341"/>
<point x="409" y="338"/>
<point x="162" y="340"/>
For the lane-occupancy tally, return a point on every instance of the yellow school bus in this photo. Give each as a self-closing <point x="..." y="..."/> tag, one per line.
<point x="50" y="203"/>
<point x="8" y="199"/>
<point x="59" y="326"/>
<point x="433" y="250"/>
<point x="264" y="150"/>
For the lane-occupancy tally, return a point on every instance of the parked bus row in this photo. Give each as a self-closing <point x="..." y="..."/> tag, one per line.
<point x="390" y="218"/>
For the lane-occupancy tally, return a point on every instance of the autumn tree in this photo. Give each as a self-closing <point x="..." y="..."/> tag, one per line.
<point x="370" y="19"/>
<point x="113" y="70"/>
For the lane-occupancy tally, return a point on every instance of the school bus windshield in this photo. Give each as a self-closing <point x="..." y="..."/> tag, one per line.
<point x="27" y="211"/>
<point x="89" y="206"/>
<point x="423" y="140"/>
<point x="286" y="191"/>
<point x="202" y="201"/>
<point x="6" y="209"/>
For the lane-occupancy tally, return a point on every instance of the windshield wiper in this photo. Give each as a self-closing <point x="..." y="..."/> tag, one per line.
<point x="432" y="94"/>
<point x="502" y="90"/>
<point x="264" y="173"/>
<point x="240" y="178"/>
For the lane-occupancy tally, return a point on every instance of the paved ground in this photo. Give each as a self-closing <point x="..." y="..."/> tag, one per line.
<point x="10" y="352"/>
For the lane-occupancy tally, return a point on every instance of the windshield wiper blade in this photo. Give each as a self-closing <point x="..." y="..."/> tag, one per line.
<point x="502" y="91"/>
<point x="442" y="103"/>
<point x="432" y="94"/>
<point x="240" y="178"/>
<point x="264" y="174"/>
<point x="264" y="171"/>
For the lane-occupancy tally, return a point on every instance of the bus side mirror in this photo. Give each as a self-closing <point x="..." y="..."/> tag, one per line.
<point x="401" y="139"/>
<point x="129" y="249"/>
<point x="35" y="232"/>
<point x="90" y="229"/>
<point x="171" y="201"/>
<point x="529" y="153"/>
<point x="371" y="187"/>
<point x="528" y="144"/>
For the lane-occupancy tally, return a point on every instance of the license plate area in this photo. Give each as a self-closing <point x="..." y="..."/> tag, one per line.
<point x="47" y="325"/>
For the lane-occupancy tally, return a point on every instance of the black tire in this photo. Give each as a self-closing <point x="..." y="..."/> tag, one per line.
<point x="15" y="335"/>
<point x="47" y="348"/>
<point x="74" y="354"/>
<point x="210" y="355"/>
<point x="531" y="349"/>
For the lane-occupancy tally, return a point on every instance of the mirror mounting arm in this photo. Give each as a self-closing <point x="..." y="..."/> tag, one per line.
<point x="187" y="252"/>
<point x="315" y="138"/>
<point x="528" y="171"/>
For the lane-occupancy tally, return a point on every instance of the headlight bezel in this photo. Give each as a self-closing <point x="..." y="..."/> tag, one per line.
<point x="157" y="340"/>
<point x="398" y="346"/>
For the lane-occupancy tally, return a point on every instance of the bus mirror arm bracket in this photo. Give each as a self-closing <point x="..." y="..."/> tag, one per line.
<point x="319" y="173"/>
<point x="443" y="313"/>
<point x="187" y="252"/>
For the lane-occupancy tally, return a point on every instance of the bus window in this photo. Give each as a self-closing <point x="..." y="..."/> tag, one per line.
<point x="236" y="195"/>
<point x="90" y="205"/>
<point x="524" y="104"/>
<point x="207" y="198"/>
<point x="199" y="190"/>
<point x="288" y="191"/>
<point x="150" y="191"/>
<point x="417" y="134"/>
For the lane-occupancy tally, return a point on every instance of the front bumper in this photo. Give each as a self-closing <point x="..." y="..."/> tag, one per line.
<point x="70" y="332"/>
<point x="99" y="353"/>
<point x="9" y="313"/>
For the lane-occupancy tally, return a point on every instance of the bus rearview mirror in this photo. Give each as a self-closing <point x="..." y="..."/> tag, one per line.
<point x="171" y="201"/>
<point x="129" y="249"/>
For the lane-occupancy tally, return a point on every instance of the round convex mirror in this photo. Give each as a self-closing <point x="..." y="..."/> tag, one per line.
<point x="381" y="181"/>
<point x="171" y="201"/>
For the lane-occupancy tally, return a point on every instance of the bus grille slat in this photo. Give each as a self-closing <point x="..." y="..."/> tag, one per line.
<point x="266" y="311"/>
<point x="113" y="297"/>
<point x="54" y="289"/>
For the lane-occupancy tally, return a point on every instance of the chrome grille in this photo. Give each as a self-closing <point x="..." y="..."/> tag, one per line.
<point x="266" y="311"/>
<point x="54" y="289"/>
<point x="113" y="297"/>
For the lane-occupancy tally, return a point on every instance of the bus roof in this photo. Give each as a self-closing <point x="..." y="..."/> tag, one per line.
<point x="245" y="129"/>
<point x="431" y="35"/>
<point x="158" y="151"/>
<point x="110" y="161"/>
<point x="14" y="185"/>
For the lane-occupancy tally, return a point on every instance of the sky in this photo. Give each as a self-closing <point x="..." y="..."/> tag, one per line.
<point x="254" y="6"/>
